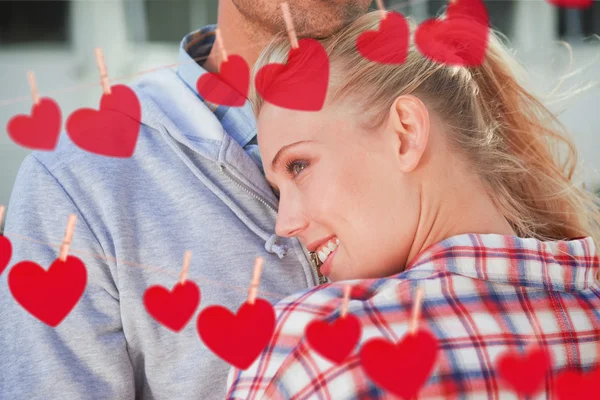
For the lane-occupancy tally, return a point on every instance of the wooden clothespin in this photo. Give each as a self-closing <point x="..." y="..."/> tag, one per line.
<point x="187" y="256"/>
<point x="64" y="248"/>
<point x="381" y="8"/>
<point x="289" y="25"/>
<point x="344" y="310"/>
<point x="103" y="73"/>
<point x="2" y="211"/>
<point x="34" y="89"/>
<point x="221" y="47"/>
<point x="416" y="311"/>
<point x="258" y="265"/>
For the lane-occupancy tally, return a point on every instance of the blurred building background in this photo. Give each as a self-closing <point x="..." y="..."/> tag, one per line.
<point x="56" y="40"/>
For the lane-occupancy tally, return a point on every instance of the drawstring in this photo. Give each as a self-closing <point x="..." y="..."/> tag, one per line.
<point x="272" y="247"/>
<point x="172" y="140"/>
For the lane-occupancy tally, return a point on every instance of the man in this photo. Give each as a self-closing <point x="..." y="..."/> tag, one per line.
<point x="194" y="183"/>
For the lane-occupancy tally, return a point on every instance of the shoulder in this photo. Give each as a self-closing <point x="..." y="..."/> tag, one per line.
<point x="165" y="101"/>
<point x="372" y="302"/>
<point x="381" y="310"/>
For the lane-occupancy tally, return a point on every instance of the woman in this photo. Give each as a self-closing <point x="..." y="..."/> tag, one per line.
<point x="438" y="177"/>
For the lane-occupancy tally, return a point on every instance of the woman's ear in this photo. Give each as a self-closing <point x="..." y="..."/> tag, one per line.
<point x="409" y="119"/>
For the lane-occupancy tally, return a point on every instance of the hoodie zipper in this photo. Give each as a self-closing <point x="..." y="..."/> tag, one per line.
<point x="246" y="188"/>
<point x="317" y="277"/>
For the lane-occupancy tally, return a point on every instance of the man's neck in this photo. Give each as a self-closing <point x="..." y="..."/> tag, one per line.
<point x="238" y="35"/>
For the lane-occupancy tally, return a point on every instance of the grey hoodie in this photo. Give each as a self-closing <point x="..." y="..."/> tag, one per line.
<point x="189" y="186"/>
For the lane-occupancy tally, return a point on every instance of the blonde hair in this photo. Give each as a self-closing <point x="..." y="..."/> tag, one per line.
<point x="509" y="137"/>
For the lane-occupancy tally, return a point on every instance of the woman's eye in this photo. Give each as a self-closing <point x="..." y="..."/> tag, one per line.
<point x="295" y="167"/>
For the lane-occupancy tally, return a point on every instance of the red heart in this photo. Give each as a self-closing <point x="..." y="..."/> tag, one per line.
<point x="5" y="252"/>
<point x="388" y="45"/>
<point x="525" y="373"/>
<point x="48" y="295"/>
<point x="577" y="385"/>
<point x="301" y="84"/>
<point x="238" y="339"/>
<point x="401" y="368"/>
<point x="572" y="3"/>
<point x="460" y="39"/>
<point x="336" y="340"/>
<point x="470" y="9"/>
<point x="112" y="131"/>
<point x="41" y="130"/>
<point x="172" y="309"/>
<point x="230" y="86"/>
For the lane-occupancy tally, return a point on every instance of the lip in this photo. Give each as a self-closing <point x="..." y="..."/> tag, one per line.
<point x="326" y="267"/>
<point x="313" y="246"/>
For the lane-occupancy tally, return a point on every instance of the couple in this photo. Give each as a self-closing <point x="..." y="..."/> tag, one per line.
<point x="414" y="175"/>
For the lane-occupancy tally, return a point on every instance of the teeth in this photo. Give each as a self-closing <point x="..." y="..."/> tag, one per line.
<point x="327" y="249"/>
<point x="322" y="256"/>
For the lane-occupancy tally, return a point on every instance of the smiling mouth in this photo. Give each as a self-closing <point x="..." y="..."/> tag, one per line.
<point x="321" y="254"/>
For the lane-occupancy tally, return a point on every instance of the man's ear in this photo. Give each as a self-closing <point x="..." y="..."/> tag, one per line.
<point x="409" y="118"/>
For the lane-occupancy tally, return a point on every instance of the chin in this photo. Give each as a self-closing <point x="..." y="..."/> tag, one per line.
<point x="321" y="21"/>
<point x="337" y="277"/>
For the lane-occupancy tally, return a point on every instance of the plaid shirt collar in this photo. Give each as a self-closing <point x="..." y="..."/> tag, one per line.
<point x="238" y="122"/>
<point x="567" y="265"/>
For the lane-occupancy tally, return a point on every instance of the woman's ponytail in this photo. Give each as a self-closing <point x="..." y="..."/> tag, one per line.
<point x="531" y="165"/>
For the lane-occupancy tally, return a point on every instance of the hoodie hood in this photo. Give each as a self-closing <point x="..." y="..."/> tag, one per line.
<point x="199" y="131"/>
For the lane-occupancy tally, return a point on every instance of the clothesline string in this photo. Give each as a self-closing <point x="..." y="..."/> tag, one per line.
<point x="231" y="50"/>
<point x="174" y="273"/>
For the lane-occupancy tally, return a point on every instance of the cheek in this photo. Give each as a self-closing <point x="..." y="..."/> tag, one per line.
<point x="351" y="187"/>
<point x="380" y="212"/>
<point x="353" y="198"/>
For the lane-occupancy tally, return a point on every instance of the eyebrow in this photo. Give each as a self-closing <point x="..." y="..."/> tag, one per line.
<point x="277" y="158"/>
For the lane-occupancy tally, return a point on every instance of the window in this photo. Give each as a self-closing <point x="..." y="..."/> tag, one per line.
<point x="24" y="22"/>
<point x="501" y="12"/>
<point x="574" y="23"/>
<point x="171" y="20"/>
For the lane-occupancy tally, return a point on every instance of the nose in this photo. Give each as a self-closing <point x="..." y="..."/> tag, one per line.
<point x="290" y="219"/>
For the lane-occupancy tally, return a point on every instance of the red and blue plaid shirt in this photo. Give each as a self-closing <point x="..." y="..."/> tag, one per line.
<point x="484" y="295"/>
